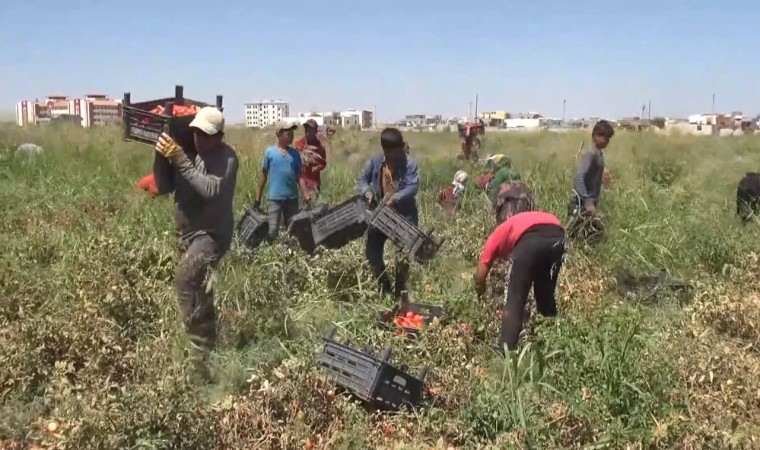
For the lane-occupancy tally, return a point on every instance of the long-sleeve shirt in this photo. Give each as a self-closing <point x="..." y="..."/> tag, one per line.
<point x="203" y="192"/>
<point x="589" y="175"/>
<point x="407" y="181"/>
<point x="311" y="173"/>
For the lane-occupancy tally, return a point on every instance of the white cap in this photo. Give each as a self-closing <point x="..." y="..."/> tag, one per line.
<point x="209" y="120"/>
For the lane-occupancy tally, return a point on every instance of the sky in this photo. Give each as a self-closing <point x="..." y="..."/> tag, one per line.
<point x="605" y="59"/>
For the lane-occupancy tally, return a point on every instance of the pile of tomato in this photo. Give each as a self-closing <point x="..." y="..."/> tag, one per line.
<point x="177" y="110"/>
<point x="410" y="321"/>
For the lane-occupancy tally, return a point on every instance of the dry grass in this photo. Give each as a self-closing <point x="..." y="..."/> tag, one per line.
<point x="89" y="338"/>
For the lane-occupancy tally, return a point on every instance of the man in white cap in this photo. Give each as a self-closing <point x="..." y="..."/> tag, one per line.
<point x="282" y="167"/>
<point x="203" y="181"/>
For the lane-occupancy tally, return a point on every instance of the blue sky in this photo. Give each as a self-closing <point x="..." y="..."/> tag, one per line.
<point x="604" y="58"/>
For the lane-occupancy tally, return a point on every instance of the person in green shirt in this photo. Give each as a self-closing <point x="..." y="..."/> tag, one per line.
<point x="504" y="174"/>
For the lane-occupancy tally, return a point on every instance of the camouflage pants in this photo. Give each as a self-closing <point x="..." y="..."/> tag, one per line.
<point x="196" y="300"/>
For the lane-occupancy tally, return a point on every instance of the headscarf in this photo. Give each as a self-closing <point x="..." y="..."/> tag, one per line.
<point x="460" y="179"/>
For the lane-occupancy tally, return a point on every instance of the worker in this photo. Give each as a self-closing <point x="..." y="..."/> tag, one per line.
<point x="282" y="167"/>
<point x="589" y="176"/>
<point x="391" y="178"/>
<point x="451" y="196"/>
<point x="510" y="197"/>
<point x="148" y="184"/>
<point x="204" y="186"/>
<point x="533" y="244"/>
<point x="503" y="174"/>
<point x="313" y="156"/>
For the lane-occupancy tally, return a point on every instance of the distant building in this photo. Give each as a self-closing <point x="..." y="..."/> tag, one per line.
<point x="422" y="120"/>
<point x="92" y="110"/>
<point x="323" y="119"/>
<point x="495" y="118"/>
<point x="362" y="119"/>
<point x="265" y="113"/>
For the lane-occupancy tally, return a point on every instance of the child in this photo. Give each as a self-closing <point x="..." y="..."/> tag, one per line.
<point x="533" y="243"/>
<point x="589" y="176"/>
<point x="282" y="166"/>
<point x="391" y="178"/>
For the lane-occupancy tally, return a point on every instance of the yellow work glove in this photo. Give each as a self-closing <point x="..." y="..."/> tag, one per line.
<point x="167" y="147"/>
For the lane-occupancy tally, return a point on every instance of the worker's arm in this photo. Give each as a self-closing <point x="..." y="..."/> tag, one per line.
<point x="302" y="181"/>
<point x="481" y="274"/>
<point x="218" y="182"/>
<point x="411" y="183"/>
<point x="163" y="172"/>
<point x="488" y="256"/>
<point x="322" y="163"/>
<point x="364" y="182"/>
<point x="579" y="182"/>
<point x="262" y="181"/>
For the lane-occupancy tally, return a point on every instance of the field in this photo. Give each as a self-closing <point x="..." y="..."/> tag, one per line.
<point x="89" y="336"/>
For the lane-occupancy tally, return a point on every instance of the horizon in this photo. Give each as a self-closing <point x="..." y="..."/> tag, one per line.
<point x="605" y="60"/>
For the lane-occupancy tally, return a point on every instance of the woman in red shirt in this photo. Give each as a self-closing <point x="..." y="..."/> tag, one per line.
<point x="534" y="244"/>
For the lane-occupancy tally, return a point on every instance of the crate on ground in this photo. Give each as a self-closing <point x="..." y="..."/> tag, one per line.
<point x="142" y="122"/>
<point x="252" y="228"/>
<point x="413" y="242"/>
<point x="341" y="224"/>
<point x="372" y="379"/>
<point x="301" y="227"/>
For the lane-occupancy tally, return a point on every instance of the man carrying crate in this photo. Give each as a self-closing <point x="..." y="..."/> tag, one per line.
<point x="393" y="178"/>
<point x="203" y="186"/>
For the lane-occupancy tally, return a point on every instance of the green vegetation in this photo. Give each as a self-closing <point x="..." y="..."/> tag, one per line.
<point x="89" y="336"/>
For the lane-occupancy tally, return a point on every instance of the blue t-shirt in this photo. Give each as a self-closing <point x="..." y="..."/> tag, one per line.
<point x="283" y="172"/>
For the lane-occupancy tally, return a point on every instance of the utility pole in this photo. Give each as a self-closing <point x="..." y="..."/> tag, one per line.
<point x="649" y="110"/>
<point x="564" y="104"/>
<point x="476" y="104"/>
<point x="713" y="104"/>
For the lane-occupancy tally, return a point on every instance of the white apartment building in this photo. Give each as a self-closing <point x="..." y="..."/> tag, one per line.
<point x="92" y="109"/>
<point x="323" y="119"/>
<point x="265" y="113"/>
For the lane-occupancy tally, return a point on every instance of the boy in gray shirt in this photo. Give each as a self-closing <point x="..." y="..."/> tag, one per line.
<point x="589" y="175"/>
<point x="203" y="186"/>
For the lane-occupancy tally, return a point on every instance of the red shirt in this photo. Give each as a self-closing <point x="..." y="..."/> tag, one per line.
<point x="503" y="239"/>
<point x="148" y="183"/>
<point x="311" y="174"/>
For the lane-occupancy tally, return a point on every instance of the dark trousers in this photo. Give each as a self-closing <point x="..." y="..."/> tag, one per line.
<point x="196" y="301"/>
<point x="374" y="253"/>
<point x="536" y="261"/>
<point x="280" y="211"/>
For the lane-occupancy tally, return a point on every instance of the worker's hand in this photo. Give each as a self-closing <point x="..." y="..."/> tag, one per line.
<point x="307" y="200"/>
<point x="167" y="147"/>
<point x="590" y="207"/>
<point x="369" y="196"/>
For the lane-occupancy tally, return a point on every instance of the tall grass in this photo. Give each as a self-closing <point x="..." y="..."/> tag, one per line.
<point x="89" y="336"/>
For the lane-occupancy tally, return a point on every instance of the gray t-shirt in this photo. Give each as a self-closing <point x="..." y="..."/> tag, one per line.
<point x="589" y="175"/>
<point x="203" y="191"/>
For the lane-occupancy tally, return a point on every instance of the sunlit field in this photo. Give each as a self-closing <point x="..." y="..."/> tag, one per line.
<point x="90" y="340"/>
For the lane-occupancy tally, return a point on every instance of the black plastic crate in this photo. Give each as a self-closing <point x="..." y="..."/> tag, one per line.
<point x="301" y="227"/>
<point x="414" y="243"/>
<point x="428" y="313"/>
<point x="341" y="224"/>
<point x="369" y="378"/>
<point x="252" y="228"/>
<point x="142" y="125"/>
